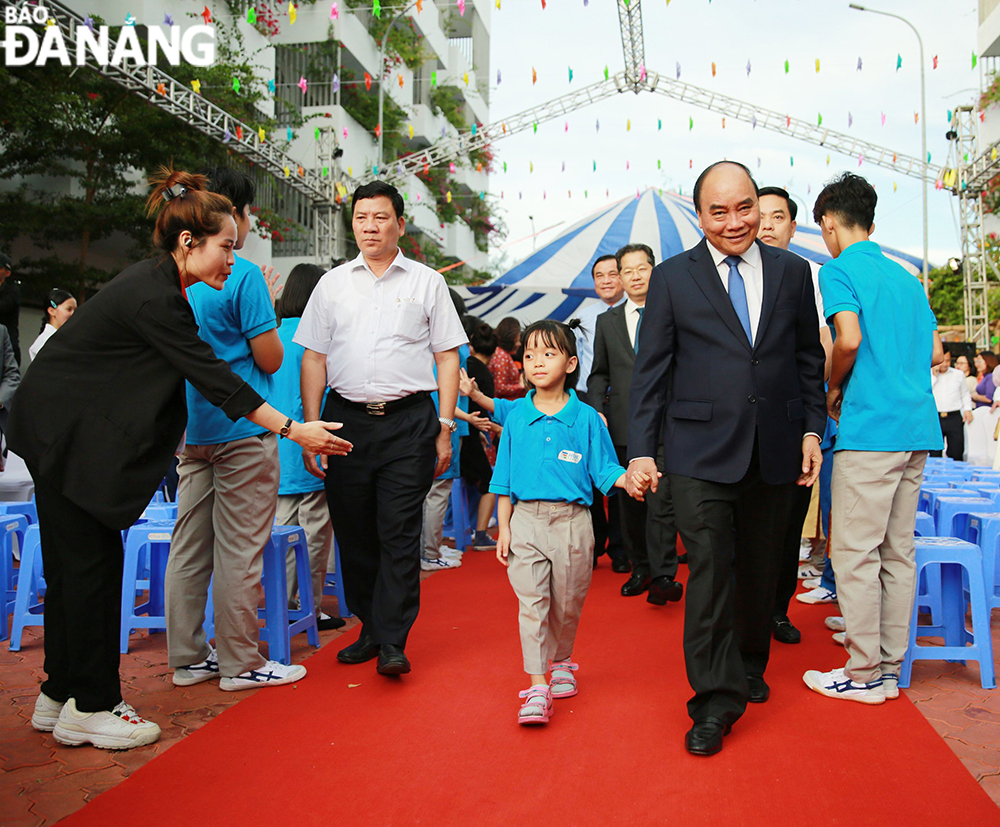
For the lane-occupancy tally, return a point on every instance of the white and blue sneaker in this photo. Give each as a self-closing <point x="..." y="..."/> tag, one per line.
<point x="890" y="683"/>
<point x="836" y="684"/>
<point x="271" y="673"/>
<point x="198" y="672"/>
<point x="817" y="596"/>
<point x="439" y="563"/>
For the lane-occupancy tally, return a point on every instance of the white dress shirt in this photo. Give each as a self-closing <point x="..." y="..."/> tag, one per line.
<point x="632" y="320"/>
<point x="43" y="337"/>
<point x="751" y="269"/>
<point x="585" y="334"/>
<point x="814" y="268"/>
<point x="379" y="333"/>
<point x="950" y="391"/>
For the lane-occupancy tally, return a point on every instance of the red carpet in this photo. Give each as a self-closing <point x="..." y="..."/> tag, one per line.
<point x="441" y="747"/>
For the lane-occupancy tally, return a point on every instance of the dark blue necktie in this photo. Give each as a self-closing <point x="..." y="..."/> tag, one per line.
<point x="638" y="324"/>
<point x="738" y="294"/>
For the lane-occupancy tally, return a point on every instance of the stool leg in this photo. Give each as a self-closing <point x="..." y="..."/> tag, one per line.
<point x="982" y="638"/>
<point x="276" y="605"/>
<point x="303" y="571"/>
<point x="27" y="589"/>
<point x="130" y="574"/>
<point x="953" y="606"/>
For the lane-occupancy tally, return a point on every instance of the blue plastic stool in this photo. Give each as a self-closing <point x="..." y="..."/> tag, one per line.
<point x="930" y="493"/>
<point x="335" y="583"/>
<point x="28" y="607"/>
<point x="13" y="527"/>
<point x="955" y="557"/>
<point x="460" y="514"/>
<point x="28" y="509"/>
<point x="147" y="545"/>
<point x="280" y="622"/>
<point x="984" y="531"/>
<point x="158" y="512"/>
<point x="946" y="509"/>
<point x="925" y="525"/>
<point x="986" y="476"/>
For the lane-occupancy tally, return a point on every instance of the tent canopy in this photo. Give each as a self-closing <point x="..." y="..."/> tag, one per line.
<point x="554" y="282"/>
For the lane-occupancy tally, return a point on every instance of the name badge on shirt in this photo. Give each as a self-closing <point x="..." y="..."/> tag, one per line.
<point x="570" y="456"/>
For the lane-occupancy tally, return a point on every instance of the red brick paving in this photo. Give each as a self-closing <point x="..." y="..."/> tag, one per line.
<point x="42" y="782"/>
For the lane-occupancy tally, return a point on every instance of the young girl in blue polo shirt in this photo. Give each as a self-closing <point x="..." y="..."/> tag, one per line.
<point x="554" y="451"/>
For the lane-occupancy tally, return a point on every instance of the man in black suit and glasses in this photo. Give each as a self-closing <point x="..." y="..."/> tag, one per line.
<point x="730" y="328"/>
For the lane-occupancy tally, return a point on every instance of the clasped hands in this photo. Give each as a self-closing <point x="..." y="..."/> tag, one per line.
<point x="642" y="474"/>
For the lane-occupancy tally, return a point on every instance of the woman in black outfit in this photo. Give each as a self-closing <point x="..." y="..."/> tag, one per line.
<point x="473" y="463"/>
<point x="97" y="419"/>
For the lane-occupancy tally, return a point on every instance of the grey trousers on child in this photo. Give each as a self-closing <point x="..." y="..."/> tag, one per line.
<point x="311" y="512"/>
<point x="550" y="564"/>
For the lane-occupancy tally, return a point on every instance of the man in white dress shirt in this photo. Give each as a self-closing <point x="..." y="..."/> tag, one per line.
<point x="954" y="405"/>
<point x="373" y="331"/>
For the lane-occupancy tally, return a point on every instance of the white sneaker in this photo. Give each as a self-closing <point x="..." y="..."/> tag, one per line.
<point x="836" y="684"/>
<point x="271" y="673"/>
<point x="819" y="595"/>
<point x="836" y="624"/>
<point x="805" y="550"/>
<point x="812" y="583"/>
<point x="840" y="637"/>
<point x="198" y="672"/>
<point x="121" y="728"/>
<point x="439" y="564"/>
<point x="890" y="684"/>
<point x="449" y="553"/>
<point x="46" y="714"/>
<point x="808" y="570"/>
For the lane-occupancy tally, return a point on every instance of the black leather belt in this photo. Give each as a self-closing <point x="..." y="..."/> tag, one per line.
<point x="382" y="408"/>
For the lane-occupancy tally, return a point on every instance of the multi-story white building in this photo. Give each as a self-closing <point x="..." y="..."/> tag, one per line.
<point x="454" y="60"/>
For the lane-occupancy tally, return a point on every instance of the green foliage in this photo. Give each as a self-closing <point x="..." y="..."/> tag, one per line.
<point x="946" y="296"/>
<point x="362" y="105"/>
<point x="447" y="101"/>
<point x="405" y="43"/>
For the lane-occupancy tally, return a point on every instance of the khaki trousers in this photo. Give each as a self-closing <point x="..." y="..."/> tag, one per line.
<point x="875" y="497"/>
<point x="435" y="508"/>
<point x="550" y="564"/>
<point x="311" y="512"/>
<point x="226" y="499"/>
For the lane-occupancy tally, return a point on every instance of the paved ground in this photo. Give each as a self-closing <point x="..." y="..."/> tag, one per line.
<point x="43" y="782"/>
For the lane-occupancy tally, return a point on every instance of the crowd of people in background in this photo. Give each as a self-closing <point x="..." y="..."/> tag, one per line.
<point x="535" y="426"/>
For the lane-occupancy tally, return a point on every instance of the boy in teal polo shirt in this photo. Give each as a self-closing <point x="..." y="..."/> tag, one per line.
<point x="228" y="488"/>
<point x="887" y="424"/>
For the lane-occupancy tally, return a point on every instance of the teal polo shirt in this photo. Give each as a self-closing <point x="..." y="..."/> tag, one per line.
<point x="558" y="458"/>
<point x="888" y="404"/>
<point x="228" y="319"/>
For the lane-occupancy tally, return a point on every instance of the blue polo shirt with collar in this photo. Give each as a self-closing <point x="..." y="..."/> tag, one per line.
<point x="557" y="458"/>
<point x="888" y="404"/>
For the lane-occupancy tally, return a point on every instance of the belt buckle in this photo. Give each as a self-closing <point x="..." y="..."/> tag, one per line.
<point x="375" y="408"/>
<point x="943" y="414"/>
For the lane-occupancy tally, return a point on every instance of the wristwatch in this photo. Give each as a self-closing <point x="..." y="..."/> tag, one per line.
<point x="285" y="428"/>
<point x="451" y="423"/>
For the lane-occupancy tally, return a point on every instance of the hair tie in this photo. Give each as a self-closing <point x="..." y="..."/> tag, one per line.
<point x="176" y="191"/>
<point x="56" y="306"/>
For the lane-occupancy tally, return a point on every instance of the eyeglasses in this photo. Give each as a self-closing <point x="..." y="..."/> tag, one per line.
<point x="637" y="271"/>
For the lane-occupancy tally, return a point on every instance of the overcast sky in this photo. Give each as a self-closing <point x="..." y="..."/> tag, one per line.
<point x="696" y="33"/>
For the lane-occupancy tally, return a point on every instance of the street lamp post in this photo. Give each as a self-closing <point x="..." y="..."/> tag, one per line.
<point x="923" y="124"/>
<point x="381" y="77"/>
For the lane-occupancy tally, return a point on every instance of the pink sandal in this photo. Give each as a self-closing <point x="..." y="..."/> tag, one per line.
<point x="537" y="706"/>
<point x="563" y="684"/>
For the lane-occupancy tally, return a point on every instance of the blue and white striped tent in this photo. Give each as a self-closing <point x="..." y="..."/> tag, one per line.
<point x="555" y="282"/>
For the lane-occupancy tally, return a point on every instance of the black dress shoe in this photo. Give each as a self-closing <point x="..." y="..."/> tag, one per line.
<point x="330" y="622"/>
<point x="784" y="631"/>
<point x="705" y="737"/>
<point x="636" y="584"/>
<point x="682" y="558"/>
<point x="392" y="661"/>
<point x="619" y="565"/>
<point x="662" y="589"/>
<point x="759" y="691"/>
<point x="363" y="649"/>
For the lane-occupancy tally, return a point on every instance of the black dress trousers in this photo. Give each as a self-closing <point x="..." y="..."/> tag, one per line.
<point x="376" y="495"/>
<point x="649" y="528"/>
<point x="788" y="576"/>
<point x="83" y="562"/>
<point x="734" y="535"/>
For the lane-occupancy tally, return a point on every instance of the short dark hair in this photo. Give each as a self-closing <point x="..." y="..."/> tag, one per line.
<point x="793" y="208"/>
<point x="850" y="198"/>
<point x="635" y="248"/>
<point x="5" y="262"/>
<point x="237" y="186"/>
<point x="458" y="301"/>
<point x="483" y="339"/>
<point x="605" y="257"/>
<point x="708" y="169"/>
<point x="298" y="288"/>
<point x="507" y="332"/>
<point x="561" y="337"/>
<point x="376" y="189"/>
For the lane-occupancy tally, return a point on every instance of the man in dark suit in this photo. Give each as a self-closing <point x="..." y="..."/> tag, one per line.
<point x="731" y="330"/>
<point x="650" y="534"/>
